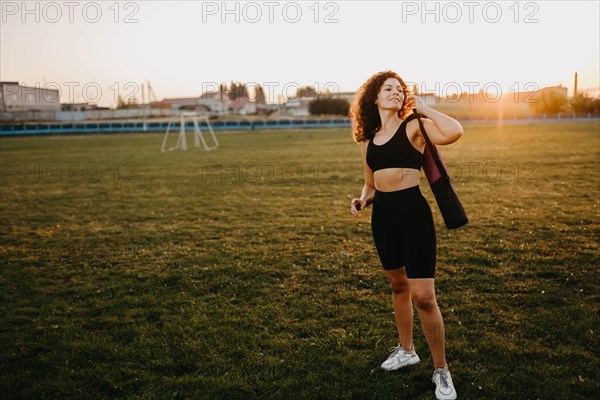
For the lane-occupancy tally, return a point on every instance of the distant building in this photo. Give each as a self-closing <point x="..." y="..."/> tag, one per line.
<point x="80" y="107"/>
<point x="299" y="106"/>
<point x="267" y="109"/>
<point x="296" y="107"/>
<point x="14" y="98"/>
<point x="215" y="101"/>
<point x="241" y="106"/>
<point x="178" y="103"/>
<point x="348" y="96"/>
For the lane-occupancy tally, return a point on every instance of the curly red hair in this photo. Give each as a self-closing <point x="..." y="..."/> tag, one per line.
<point x="363" y="110"/>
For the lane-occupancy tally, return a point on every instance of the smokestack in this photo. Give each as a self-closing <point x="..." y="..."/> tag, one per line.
<point x="575" y="90"/>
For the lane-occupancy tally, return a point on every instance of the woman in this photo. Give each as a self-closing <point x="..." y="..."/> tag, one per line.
<point x="401" y="221"/>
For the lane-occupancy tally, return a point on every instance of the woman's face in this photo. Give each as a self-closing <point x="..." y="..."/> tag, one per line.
<point x="390" y="96"/>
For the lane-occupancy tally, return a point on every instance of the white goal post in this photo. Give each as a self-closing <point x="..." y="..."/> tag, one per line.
<point x="198" y="136"/>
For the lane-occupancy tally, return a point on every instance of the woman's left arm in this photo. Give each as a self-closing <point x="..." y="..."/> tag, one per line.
<point x="440" y="128"/>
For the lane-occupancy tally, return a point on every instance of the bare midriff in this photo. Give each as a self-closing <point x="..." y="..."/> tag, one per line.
<point x="393" y="179"/>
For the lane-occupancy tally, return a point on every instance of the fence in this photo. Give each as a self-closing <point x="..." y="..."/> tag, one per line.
<point x="140" y="127"/>
<point x="89" y="115"/>
<point x="218" y="125"/>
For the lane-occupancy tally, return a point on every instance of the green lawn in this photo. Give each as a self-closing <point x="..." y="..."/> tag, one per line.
<point x="241" y="274"/>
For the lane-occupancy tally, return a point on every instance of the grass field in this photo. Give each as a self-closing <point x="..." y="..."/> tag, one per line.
<point x="241" y="274"/>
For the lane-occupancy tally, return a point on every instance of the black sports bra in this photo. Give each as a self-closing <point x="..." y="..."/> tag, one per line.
<point x="397" y="152"/>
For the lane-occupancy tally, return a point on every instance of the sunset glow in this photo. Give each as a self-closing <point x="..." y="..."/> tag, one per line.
<point x="185" y="48"/>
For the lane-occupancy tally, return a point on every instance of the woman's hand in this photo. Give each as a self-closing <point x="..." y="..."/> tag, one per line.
<point x="357" y="204"/>
<point x="413" y="101"/>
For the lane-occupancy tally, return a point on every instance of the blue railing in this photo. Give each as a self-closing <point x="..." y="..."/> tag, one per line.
<point x="16" y="129"/>
<point x="140" y="127"/>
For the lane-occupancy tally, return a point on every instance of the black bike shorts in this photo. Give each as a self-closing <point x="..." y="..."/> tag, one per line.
<point x="404" y="232"/>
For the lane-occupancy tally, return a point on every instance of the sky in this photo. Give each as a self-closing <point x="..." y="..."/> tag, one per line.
<point x="96" y="50"/>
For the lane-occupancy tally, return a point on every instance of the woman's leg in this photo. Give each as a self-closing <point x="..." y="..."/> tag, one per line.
<point x="423" y="294"/>
<point x="403" y="311"/>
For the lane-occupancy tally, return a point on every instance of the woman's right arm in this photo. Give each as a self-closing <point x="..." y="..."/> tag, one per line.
<point x="368" y="191"/>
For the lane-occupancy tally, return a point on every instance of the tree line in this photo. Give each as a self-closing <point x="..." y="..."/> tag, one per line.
<point x="543" y="102"/>
<point x="554" y="103"/>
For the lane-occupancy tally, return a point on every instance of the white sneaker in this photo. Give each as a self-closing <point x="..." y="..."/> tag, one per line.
<point x="400" y="358"/>
<point x="444" y="388"/>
